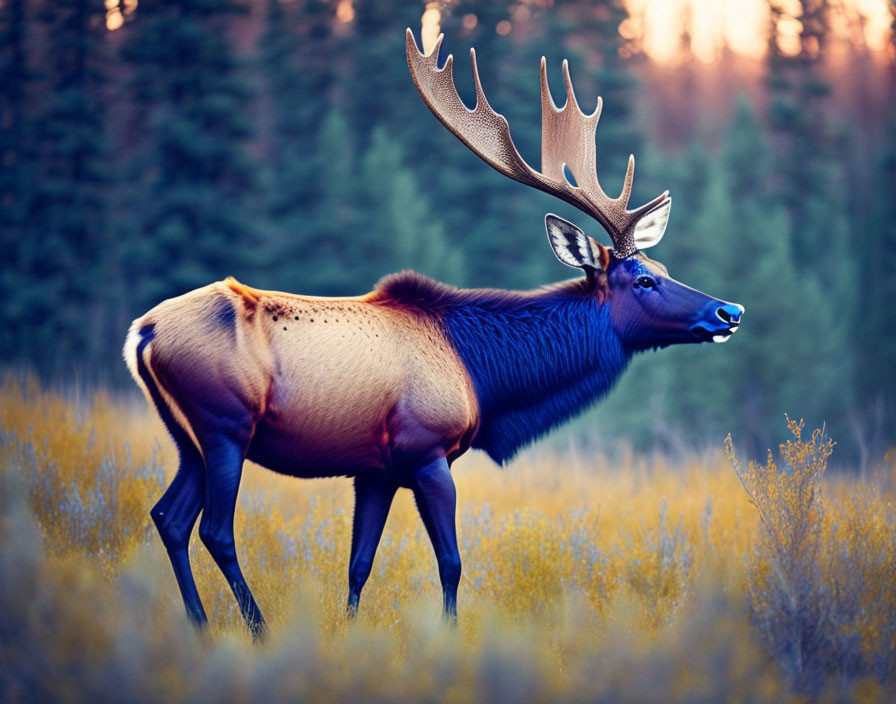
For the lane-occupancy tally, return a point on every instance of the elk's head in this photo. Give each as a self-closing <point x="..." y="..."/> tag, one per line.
<point x="648" y="307"/>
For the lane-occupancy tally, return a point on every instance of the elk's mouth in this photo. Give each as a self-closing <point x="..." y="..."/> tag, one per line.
<point x="724" y="336"/>
<point x="708" y="333"/>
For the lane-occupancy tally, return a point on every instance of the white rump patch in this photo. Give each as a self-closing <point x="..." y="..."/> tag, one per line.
<point x="721" y="338"/>
<point x="130" y="354"/>
<point x="651" y="228"/>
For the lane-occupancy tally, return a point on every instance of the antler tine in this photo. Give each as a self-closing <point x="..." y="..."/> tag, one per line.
<point x="547" y="100"/>
<point x="434" y="52"/>
<point x="628" y="182"/>
<point x="477" y="82"/>
<point x="642" y="210"/>
<point x="483" y="130"/>
<point x="570" y="91"/>
<point x="568" y="140"/>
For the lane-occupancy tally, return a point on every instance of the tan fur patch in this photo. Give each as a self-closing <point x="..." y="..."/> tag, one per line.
<point x="250" y="295"/>
<point x="603" y="254"/>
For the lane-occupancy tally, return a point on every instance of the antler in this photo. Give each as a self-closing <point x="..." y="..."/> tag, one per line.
<point x="568" y="139"/>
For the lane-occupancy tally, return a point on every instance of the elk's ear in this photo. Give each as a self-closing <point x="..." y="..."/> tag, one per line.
<point x="572" y="246"/>
<point x="651" y="228"/>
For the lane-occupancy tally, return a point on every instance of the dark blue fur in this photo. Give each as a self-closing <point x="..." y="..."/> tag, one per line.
<point x="225" y="316"/>
<point x="536" y="358"/>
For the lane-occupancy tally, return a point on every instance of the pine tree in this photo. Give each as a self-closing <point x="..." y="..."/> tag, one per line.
<point x="17" y="174"/>
<point x="805" y="170"/>
<point x="195" y="204"/>
<point x="788" y="361"/>
<point x="325" y="245"/>
<point x="294" y="55"/>
<point x="807" y="176"/>
<point x="875" y="247"/>
<point x="378" y="89"/>
<point x="66" y="246"/>
<point x="402" y="231"/>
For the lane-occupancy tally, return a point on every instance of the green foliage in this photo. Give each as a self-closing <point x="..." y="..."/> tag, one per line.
<point x="194" y="201"/>
<point x="872" y="326"/>
<point x="808" y="172"/>
<point x="402" y="230"/>
<point x="54" y="207"/>
<point x="18" y="165"/>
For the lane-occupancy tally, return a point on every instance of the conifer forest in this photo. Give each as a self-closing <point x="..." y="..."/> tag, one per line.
<point x="283" y="143"/>
<point x="653" y="549"/>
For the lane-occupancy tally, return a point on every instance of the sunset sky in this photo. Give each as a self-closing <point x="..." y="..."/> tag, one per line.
<point x="741" y="24"/>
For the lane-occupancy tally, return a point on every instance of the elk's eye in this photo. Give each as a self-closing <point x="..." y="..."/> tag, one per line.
<point x="644" y="282"/>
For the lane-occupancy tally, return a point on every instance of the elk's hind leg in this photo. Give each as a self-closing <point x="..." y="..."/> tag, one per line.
<point x="224" y="455"/>
<point x="175" y="515"/>
<point x="436" y="500"/>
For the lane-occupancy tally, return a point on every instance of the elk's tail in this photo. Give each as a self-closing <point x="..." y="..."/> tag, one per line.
<point x="137" y="356"/>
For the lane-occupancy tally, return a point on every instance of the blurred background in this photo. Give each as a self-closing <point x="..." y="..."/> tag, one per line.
<point x="150" y="147"/>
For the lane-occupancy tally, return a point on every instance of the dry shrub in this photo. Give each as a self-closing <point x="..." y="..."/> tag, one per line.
<point x="821" y="584"/>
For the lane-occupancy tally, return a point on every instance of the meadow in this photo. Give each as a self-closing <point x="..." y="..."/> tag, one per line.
<point x="586" y="578"/>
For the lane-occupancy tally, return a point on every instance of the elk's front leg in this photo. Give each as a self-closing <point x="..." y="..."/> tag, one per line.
<point x="373" y="498"/>
<point x="436" y="500"/>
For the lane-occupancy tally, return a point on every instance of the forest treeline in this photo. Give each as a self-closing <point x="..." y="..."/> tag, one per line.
<point x="284" y="144"/>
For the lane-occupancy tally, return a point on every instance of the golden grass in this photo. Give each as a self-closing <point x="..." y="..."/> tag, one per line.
<point x="584" y="579"/>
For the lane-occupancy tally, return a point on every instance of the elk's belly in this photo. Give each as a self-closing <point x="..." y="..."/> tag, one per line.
<point x="323" y="434"/>
<point x="353" y="436"/>
<point x="322" y="456"/>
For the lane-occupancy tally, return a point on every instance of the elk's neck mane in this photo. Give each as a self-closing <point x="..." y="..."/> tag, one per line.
<point x="536" y="358"/>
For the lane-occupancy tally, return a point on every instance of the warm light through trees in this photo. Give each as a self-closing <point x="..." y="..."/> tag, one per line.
<point x="430" y="26"/>
<point x="710" y="25"/>
<point x="741" y="25"/>
<point x="117" y="11"/>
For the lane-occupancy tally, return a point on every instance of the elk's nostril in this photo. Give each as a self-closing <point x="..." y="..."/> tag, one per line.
<point x="729" y="313"/>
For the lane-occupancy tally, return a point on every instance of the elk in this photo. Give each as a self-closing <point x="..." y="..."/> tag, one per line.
<point x="392" y="386"/>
